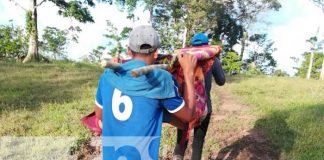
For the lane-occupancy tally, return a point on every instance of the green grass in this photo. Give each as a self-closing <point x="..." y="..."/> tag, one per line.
<point x="290" y="111"/>
<point x="38" y="99"/>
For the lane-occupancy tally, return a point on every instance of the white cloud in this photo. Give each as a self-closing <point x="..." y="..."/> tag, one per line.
<point x="290" y="37"/>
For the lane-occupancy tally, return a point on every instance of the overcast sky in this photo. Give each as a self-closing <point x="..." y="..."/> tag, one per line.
<point x="289" y="28"/>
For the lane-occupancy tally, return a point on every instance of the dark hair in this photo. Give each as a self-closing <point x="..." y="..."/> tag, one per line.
<point x="144" y="46"/>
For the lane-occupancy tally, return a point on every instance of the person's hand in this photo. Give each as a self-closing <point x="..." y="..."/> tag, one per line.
<point x="188" y="62"/>
<point x="116" y="59"/>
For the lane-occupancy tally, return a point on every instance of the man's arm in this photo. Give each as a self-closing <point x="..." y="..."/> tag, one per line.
<point x="98" y="112"/>
<point x="188" y="64"/>
<point x="218" y="72"/>
<point x="99" y="104"/>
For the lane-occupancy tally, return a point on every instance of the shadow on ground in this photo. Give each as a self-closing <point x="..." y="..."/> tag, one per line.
<point x="294" y="134"/>
<point x="268" y="138"/>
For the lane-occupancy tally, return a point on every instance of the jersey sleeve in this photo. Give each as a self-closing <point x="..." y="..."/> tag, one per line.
<point x="98" y="100"/>
<point x="175" y="103"/>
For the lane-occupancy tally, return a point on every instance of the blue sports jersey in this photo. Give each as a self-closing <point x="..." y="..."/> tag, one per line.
<point x="132" y="124"/>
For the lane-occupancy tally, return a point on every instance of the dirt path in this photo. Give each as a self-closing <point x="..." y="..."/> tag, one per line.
<point x="232" y="127"/>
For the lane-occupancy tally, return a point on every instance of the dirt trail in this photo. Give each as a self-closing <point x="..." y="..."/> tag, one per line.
<point x="232" y="127"/>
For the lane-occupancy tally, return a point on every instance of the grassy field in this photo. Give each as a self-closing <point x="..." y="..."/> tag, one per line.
<point x="46" y="99"/>
<point x="49" y="100"/>
<point x="290" y="112"/>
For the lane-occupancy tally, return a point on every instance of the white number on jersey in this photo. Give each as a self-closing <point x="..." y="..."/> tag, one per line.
<point x="116" y="101"/>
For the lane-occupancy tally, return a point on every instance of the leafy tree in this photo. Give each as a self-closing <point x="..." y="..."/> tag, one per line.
<point x="13" y="42"/>
<point x="54" y="42"/>
<point x="316" y="67"/>
<point x="246" y="13"/>
<point x="316" y="46"/>
<point x="228" y="30"/>
<point x="74" y="9"/>
<point x="116" y="38"/>
<point x="280" y="73"/>
<point x="96" y="54"/>
<point x="231" y="63"/>
<point x="260" y="55"/>
<point x="225" y="22"/>
<point x="319" y="3"/>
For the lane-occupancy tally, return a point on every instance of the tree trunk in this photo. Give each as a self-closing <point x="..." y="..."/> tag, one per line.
<point x="243" y="43"/>
<point x="322" y="72"/>
<point x="310" y="66"/>
<point x="151" y="15"/>
<point x="184" y="38"/>
<point x="33" y="35"/>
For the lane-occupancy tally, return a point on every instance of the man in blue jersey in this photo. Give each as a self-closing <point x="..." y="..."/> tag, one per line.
<point x="131" y="109"/>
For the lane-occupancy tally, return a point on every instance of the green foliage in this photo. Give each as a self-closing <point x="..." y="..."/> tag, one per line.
<point x="29" y="23"/>
<point x="252" y="69"/>
<point x="231" y="63"/>
<point x="13" y="43"/>
<point x="316" y="45"/>
<point x="75" y="9"/>
<point x="73" y="32"/>
<point x="96" y="54"/>
<point x="316" y="68"/>
<point x="260" y="54"/>
<point x="172" y="17"/>
<point x="280" y="73"/>
<point x="116" y="39"/>
<point x="54" y="42"/>
<point x="224" y="21"/>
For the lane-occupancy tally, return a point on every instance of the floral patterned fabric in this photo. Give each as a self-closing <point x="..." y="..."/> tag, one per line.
<point x="205" y="55"/>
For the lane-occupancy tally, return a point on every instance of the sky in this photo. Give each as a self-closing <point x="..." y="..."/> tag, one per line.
<point x="289" y="27"/>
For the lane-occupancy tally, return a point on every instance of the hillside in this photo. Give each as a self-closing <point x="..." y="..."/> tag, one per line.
<point x="253" y="117"/>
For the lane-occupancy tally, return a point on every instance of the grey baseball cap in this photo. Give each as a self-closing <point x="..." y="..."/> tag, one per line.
<point x="144" y="34"/>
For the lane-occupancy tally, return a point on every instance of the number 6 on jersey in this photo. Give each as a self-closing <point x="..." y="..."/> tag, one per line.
<point x="117" y="100"/>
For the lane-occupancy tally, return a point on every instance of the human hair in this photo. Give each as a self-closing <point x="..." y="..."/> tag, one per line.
<point x="144" y="46"/>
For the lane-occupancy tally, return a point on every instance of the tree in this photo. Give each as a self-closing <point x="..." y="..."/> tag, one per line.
<point x="178" y="20"/>
<point x="13" y="42"/>
<point x="96" y="54"/>
<point x="316" y="67"/>
<point x="231" y="63"/>
<point x="246" y="13"/>
<point x="316" y="46"/>
<point x="116" y="38"/>
<point x="75" y="9"/>
<point x="280" y="73"/>
<point x="260" y="55"/>
<point x="54" y="42"/>
<point x="319" y="3"/>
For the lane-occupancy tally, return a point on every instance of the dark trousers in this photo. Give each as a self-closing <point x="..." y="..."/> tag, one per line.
<point x="198" y="140"/>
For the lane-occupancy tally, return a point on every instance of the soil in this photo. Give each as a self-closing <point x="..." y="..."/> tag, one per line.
<point x="241" y="141"/>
